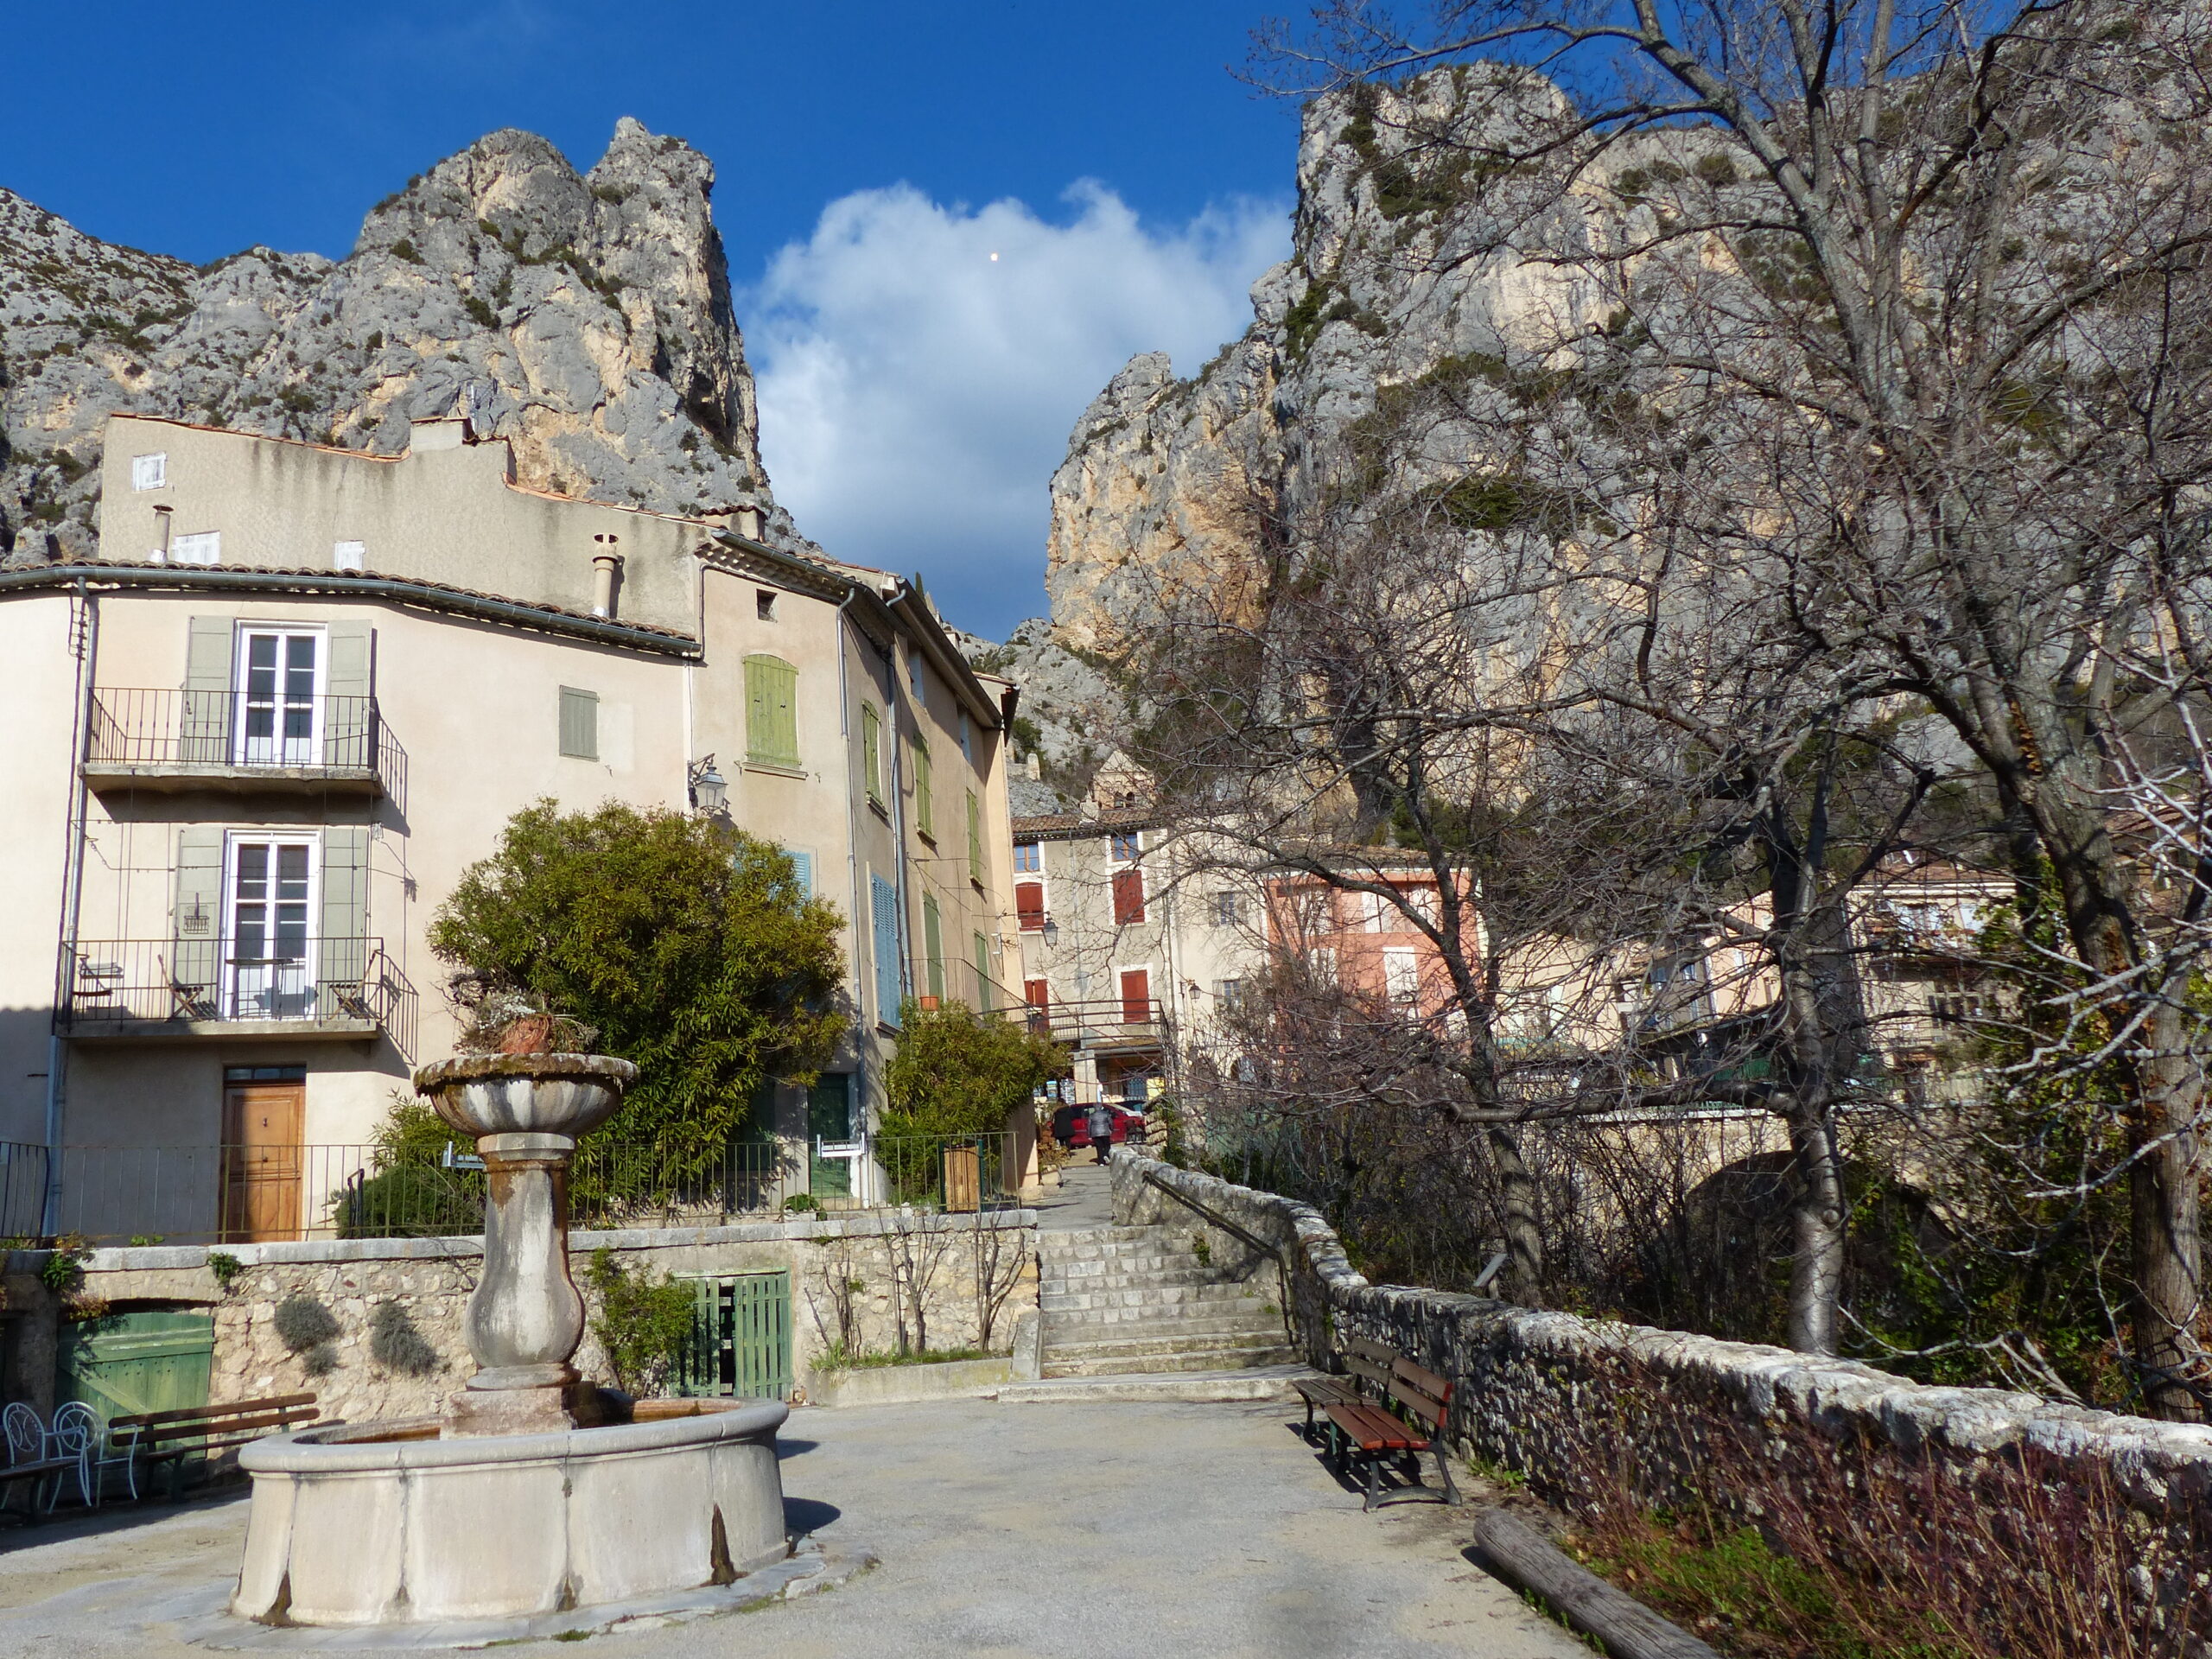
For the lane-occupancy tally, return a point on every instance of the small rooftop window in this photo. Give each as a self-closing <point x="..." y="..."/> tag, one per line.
<point x="764" y="604"/>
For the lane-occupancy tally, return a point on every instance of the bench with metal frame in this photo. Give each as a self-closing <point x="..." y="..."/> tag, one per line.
<point x="176" y="1436"/>
<point x="1386" y="1409"/>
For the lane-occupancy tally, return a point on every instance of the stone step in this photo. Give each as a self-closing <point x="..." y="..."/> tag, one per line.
<point x="1268" y="1383"/>
<point x="1145" y="1340"/>
<point x="1216" y="1359"/>
<point x="1075" y="1284"/>
<point x="1144" y="1296"/>
<point x="1194" y="1314"/>
<point x="1116" y="1233"/>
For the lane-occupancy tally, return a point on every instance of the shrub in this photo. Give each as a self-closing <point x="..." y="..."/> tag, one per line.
<point x="642" y="1325"/>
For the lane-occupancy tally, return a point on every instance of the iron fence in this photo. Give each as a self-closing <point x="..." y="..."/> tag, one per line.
<point x="247" y="1194"/>
<point x="187" y="981"/>
<point x="333" y="739"/>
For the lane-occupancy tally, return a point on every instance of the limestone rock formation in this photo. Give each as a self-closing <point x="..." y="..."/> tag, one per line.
<point x="584" y="317"/>
<point x="1170" y="482"/>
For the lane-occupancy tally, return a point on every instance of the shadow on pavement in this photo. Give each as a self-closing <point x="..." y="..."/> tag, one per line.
<point x="116" y="1516"/>
<point x="805" y="1515"/>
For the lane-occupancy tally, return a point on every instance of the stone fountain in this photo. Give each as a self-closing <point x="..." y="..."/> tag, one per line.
<point x="534" y="1493"/>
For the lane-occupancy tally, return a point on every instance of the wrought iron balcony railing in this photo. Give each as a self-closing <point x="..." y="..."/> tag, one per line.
<point x="179" y="739"/>
<point x="338" y="985"/>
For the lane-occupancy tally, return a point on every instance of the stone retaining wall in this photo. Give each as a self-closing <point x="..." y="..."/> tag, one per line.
<point x="869" y="1278"/>
<point x="1591" y="1411"/>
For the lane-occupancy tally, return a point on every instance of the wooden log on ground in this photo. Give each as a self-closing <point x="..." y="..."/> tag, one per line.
<point x="1528" y="1560"/>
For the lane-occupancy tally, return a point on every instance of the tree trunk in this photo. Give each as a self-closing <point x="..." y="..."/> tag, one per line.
<point x="2167" y="1305"/>
<point x="1817" y="1215"/>
<point x="1524" y="1236"/>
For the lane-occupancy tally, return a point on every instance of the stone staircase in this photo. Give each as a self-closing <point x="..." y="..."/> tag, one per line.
<point x="1123" y="1301"/>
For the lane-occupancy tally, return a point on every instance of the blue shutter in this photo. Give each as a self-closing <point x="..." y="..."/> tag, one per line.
<point x="884" y="900"/>
<point x="804" y="864"/>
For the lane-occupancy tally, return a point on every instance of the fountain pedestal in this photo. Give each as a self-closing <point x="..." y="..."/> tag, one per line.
<point x="526" y="1319"/>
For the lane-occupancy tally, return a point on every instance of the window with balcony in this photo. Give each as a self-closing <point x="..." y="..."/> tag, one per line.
<point x="1029" y="905"/>
<point x="271" y="970"/>
<point x="279" y="693"/>
<point x="1136" y="995"/>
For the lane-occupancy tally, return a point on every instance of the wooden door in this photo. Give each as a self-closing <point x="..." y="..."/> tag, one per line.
<point x="261" y="1159"/>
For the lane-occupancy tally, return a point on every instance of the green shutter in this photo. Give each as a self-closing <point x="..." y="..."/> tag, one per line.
<point x="924" y="807"/>
<point x="196" y="925"/>
<point x="771" y="712"/>
<point x="343" y="956"/>
<point x="933" y="942"/>
<point x="348" y="734"/>
<point x="872" y="751"/>
<point x="204" y="735"/>
<point x="579" y="723"/>
<point x="975" y="838"/>
<point x="983" y="972"/>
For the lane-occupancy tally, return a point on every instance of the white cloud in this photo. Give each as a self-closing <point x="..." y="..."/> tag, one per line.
<point x="920" y="367"/>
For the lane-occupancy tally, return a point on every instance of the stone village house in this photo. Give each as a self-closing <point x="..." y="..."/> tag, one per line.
<point x="257" y="739"/>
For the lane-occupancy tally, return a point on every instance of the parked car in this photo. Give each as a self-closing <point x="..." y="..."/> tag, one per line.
<point x="1071" y="1124"/>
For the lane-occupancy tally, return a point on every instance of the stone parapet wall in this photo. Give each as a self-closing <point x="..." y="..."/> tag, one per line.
<point x="868" y="1279"/>
<point x="1590" y="1410"/>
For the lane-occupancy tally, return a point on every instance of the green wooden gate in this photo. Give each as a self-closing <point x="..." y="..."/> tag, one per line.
<point x="123" y="1364"/>
<point x="741" y="1337"/>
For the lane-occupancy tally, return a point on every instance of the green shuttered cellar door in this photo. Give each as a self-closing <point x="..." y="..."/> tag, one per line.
<point x="129" y="1362"/>
<point x="740" y="1337"/>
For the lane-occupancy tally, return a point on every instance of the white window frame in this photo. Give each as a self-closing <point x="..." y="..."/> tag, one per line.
<point x="242" y="752"/>
<point x="235" y="992"/>
<point x="151" y="472"/>
<point x="1402" y="974"/>
<point x="202" y="547"/>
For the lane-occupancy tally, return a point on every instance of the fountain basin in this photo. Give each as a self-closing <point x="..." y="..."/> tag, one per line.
<point x="382" y="1523"/>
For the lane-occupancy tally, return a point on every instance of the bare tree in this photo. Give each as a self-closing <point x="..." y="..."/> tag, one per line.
<point x="1921" y="293"/>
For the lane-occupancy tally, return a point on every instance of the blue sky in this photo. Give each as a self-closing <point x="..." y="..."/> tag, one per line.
<point x="916" y="394"/>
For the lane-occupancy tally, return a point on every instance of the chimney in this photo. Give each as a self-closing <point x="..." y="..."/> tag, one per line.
<point x="745" y="521"/>
<point x="606" y="572"/>
<point x="1036" y="766"/>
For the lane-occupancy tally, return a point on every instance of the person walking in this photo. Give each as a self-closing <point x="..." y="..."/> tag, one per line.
<point x="1100" y="1122"/>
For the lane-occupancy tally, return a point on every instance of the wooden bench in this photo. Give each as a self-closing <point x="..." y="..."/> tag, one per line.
<point x="1389" y="1410"/>
<point x="174" y="1436"/>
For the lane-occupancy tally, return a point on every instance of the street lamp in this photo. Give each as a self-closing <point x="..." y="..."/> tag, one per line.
<point x="1052" y="931"/>
<point x="709" y="790"/>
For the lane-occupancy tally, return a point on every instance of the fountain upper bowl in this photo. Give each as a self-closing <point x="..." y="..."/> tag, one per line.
<point x="526" y="1093"/>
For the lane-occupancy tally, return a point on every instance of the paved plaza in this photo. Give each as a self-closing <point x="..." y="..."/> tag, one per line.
<point x="1108" y="1529"/>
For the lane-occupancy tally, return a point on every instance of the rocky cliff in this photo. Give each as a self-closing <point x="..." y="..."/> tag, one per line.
<point x="1167" y="482"/>
<point x="584" y="317"/>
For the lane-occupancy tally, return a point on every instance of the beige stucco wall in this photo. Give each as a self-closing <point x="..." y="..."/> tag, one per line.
<point x="35" y="784"/>
<point x="445" y="515"/>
